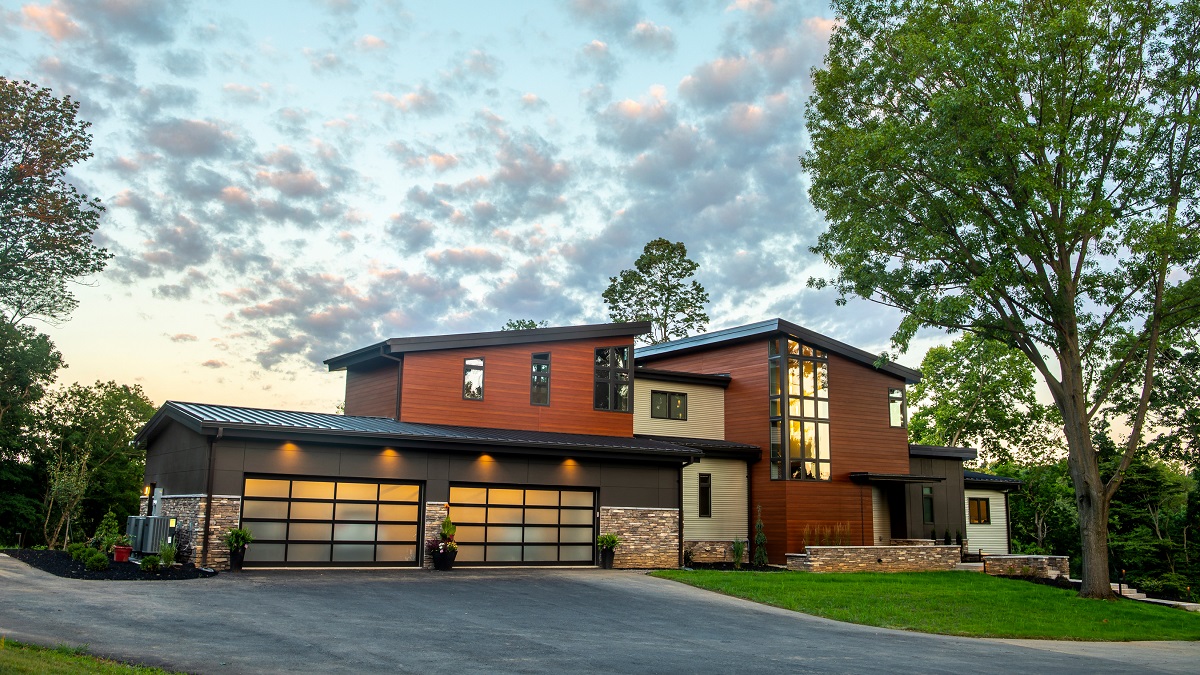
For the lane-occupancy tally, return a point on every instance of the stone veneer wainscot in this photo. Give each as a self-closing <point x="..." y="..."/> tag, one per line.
<point x="649" y="537"/>
<point x="435" y="513"/>
<point x="188" y="512"/>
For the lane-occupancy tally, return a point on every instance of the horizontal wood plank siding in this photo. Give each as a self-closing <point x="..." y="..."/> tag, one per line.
<point x="372" y="392"/>
<point x="880" y="517"/>
<point x="991" y="538"/>
<point x="728" y="521"/>
<point x="432" y="391"/>
<point x="705" y="410"/>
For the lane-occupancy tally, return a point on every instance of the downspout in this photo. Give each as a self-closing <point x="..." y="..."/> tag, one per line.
<point x="690" y="461"/>
<point x="1007" y="526"/>
<point x="208" y="494"/>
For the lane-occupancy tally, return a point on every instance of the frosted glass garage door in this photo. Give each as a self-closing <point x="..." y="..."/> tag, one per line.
<point x="515" y="526"/>
<point x="312" y="522"/>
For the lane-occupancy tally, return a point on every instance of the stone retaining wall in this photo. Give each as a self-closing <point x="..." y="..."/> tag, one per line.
<point x="921" y="558"/>
<point x="713" y="551"/>
<point x="1041" y="566"/>
<point x="649" y="537"/>
<point x="914" y="542"/>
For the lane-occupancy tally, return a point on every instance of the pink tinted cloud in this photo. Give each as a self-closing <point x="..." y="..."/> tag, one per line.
<point x="50" y="19"/>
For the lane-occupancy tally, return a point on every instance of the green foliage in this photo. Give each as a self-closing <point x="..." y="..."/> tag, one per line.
<point x="523" y="324"/>
<point x="106" y="533"/>
<point x="167" y="552"/>
<point x="1173" y="418"/>
<point x="46" y="225"/>
<point x="16" y="657"/>
<point x="657" y="290"/>
<point x="448" y="529"/>
<point x="946" y="537"/>
<point x="77" y="550"/>
<point x="238" y="538"/>
<point x="96" y="561"/>
<point x="150" y="563"/>
<point x="608" y="540"/>
<point x="1043" y="518"/>
<point x="738" y="548"/>
<point x="760" y="541"/>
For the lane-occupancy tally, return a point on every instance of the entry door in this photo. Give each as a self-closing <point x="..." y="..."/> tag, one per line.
<point x="515" y="526"/>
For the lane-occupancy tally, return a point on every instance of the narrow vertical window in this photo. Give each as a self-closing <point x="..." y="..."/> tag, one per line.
<point x="798" y="390"/>
<point x="705" y="495"/>
<point x="539" y="383"/>
<point x="896" y="407"/>
<point x="927" y="504"/>
<point x="473" y="379"/>
<point x="613" y="381"/>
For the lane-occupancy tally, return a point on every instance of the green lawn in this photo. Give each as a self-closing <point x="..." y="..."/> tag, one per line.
<point x="22" y="658"/>
<point x="951" y="603"/>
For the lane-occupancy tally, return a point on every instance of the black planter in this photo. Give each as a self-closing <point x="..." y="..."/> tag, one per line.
<point x="444" y="561"/>
<point x="236" y="556"/>
<point x="606" y="557"/>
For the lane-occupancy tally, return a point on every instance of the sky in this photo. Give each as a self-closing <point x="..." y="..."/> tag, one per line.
<point x="288" y="181"/>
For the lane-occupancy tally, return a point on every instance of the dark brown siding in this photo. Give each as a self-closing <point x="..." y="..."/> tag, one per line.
<point x="949" y="499"/>
<point x="177" y="461"/>
<point x="432" y="390"/>
<point x="372" y="392"/>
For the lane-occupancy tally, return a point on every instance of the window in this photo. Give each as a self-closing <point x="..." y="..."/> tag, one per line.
<point x="473" y="379"/>
<point x="798" y="390"/>
<point x="981" y="511"/>
<point x="614" y="384"/>
<point x="896" y="407"/>
<point x="705" y="495"/>
<point x="927" y="504"/>
<point x="665" y="405"/>
<point x="539" y="383"/>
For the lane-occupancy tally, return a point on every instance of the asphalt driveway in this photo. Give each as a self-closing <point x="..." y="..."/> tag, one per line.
<point x="473" y="621"/>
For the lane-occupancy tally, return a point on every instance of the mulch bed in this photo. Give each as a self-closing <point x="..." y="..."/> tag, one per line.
<point x="746" y="567"/>
<point x="59" y="563"/>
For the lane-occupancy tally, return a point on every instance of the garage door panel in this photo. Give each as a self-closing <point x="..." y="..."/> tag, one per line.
<point x="355" y="512"/>
<point x="303" y="489"/>
<point x="266" y="530"/>
<point x="262" y="552"/>
<point x="402" y="512"/>
<point x="312" y="511"/>
<point x="257" y="487"/>
<point x="390" y="553"/>
<point x="521" y="526"/>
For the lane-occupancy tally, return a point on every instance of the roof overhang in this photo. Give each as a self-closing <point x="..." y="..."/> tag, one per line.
<point x="711" y="447"/>
<point x="721" y="380"/>
<point x="942" y="452"/>
<point x="867" y="477"/>
<point x="974" y="479"/>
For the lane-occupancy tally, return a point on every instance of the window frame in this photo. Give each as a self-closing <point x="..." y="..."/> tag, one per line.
<point x="898" y="395"/>
<point x="671" y="395"/>
<point x="972" y="502"/>
<point x="927" y="510"/>
<point x="534" y="362"/>
<point x="800" y="427"/>
<point x="467" y="368"/>
<point x="613" y="379"/>
<point x="704" y="495"/>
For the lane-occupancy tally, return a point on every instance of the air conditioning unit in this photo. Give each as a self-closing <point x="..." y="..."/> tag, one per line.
<point x="135" y="527"/>
<point x="155" y="531"/>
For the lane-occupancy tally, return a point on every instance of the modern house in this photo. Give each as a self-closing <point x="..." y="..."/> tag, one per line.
<point x="535" y="441"/>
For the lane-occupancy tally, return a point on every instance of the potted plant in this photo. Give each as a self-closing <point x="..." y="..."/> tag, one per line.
<point x="237" y="539"/>
<point x="443" y="549"/>
<point x="608" y="544"/>
<point x="122" y="547"/>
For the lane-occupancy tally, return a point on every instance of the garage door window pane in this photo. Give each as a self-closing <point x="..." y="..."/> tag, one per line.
<point x="265" y="553"/>
<point x="541" y="497"/>
<point x="504" y="515"/>
<point x="576" y="499"/>
<point x="306" y="489"/>
<point x="503" y="534"/>
<point x="576" y="517"/>
<point x="469" y="533"/>
<point x="541" y="516"/>
<point x="399" y="493"/>
<point x="396" y="553"/>
<point x="468" y="495"/>
<point x="353" y="552"/>
<point x="310" y="531"/>
<point x="366" y="491"/>
<point x="267" y="530"/>
<point x="469" y="554"/>
<point x="256" y="509"/>
<point x="312" y="511"/>
<point x="504" y="554"/>
<point x="498" y="496"/>
<point x="345" y="532"/>
<point x="397" y="512"/>
<point x="575" y="553"/>
<point x="355" y="512"/>
<point x="397" y="533"/>
<point x="469" y="514"/>
<point x="307" y="552"/>
<point x="576" y="535"/>
<point x="258" y="487"/>
<point x="542" y="535"/>
<point x="541" y="553"/>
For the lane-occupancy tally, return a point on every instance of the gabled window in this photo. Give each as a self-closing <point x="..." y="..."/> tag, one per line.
<point x="539" y="382"/>
<point x="473" y="379"/>
<point x="896" y="408"/>
<point x="666" y="405"/>
<point x="705" y="495"/>
<point x="981" y="512"/>
<point x="613" y="388"/>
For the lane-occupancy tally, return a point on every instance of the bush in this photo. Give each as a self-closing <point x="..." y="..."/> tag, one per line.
<point x="150" y="563"/>
<point x="608" y="540"/>
<point x="739" y="550"/>
<point x="97" y="561"/>
<point x="238" y="538"/>
<point x="76" y="550"/>
<point x="167" y="553"/>
<point x="108" y="533"/>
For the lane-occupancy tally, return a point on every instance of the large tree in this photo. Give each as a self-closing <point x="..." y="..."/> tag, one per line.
<point x="658" y="290"/>
<point x="46" y="225"/>
<point x="1026" y="171"/>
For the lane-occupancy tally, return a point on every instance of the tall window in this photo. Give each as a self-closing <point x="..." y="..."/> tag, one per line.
<point x="896" y="407"/>
<point x="473" y="379"/>
<point x="927" y="504"/>
<point x="614" y="383"/>
<point x="539" y="382"/>
<point x="981" y="512"/>
<point x="705" y="495"/>
<point x="798" y="381"/>
<point x="665" y="405"/>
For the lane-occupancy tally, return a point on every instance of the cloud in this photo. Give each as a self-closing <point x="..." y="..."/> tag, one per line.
<point x="182" y="337"/>
<point x="532" y="102"/>
<point x="214" y="363"/>
<point x="186" y="138"/>
<point x="370" y="43"/>
<point x="652" y="39"/>
<point x="633" y="125"/>
<point x="609" y="16"/>
<point x="470" y="260"/>
<point x="52" y="20"/>
<point x="476" y="67"/>
<point x="241" y="93"/>
<point x="185" y="62"/>
<point x="596" y="58"/>
<point x="323" y="62"/>
<point x="720" y="82"/>
<point x="421" y="101"/>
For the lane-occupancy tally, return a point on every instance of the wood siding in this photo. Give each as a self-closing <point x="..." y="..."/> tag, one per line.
<point x="705" y="410"/>
<point x="949" y="512"/>
<point x="881" y="517"/>
<point x="372" y="392"/>
<point x="992" y="538"/>
<point x="729" y="517"/>
<point x="433" y="382"/>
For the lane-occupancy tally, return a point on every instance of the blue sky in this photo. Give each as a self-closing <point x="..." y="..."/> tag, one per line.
<point x="286" y="181"/>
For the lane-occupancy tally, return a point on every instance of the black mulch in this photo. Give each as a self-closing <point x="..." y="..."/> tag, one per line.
<point x="59" y="563"/>
<point x="746" y="567"/>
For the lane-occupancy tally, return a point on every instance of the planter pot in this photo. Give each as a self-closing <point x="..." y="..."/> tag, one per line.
<point x="236" y="557"/>
<point x="121" y="553"/>
<point x="606" y="558"/>
<point x="444" y="561"/>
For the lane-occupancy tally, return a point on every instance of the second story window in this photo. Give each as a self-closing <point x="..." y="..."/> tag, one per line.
<point x="473" y="379"/>
<point x="539" y="383"/>
<point x="896" y="407"/>
<point x="665" y="405"/>
<point x="613" y="383"/>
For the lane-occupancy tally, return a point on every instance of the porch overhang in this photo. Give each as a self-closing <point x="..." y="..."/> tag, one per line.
<point x="868" y="478"/>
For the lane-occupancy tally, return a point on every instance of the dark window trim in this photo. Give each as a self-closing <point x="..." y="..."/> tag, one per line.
<point x="779" y="407"/>
<point x="704" y="495"/>
<point x="927" y="514"/>
<point x="987" y="510"/>
<point x="533" y="361"/>
<point x="612" y="381"/>
<point x="903" y="399"/>
<point x="668" y="394"/>
<point x="482" y="370"/>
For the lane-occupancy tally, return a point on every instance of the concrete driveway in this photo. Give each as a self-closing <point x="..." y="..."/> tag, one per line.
<point x="488" y="621"/>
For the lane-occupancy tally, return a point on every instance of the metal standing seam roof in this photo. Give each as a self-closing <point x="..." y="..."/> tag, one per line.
<point x="979" y="477"/>
<point x="199" y="416"/>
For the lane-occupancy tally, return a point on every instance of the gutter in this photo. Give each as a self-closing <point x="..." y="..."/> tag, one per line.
<point x="208" y="493"/>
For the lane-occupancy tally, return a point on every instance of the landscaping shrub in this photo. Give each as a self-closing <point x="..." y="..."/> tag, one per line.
<point x="97" y="561"/>
<point x="77" y="550"/>
<point x="166" y="552"/>
<point x="739" y="550"/>
<point x="150" y="563"/>
<point x="107" y="533"/>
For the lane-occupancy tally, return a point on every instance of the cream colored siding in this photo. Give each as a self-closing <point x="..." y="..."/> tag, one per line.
<point x="705" y="410"/>
<point x="881" y="518"/>
<point x="991" y="538"/>
<point x="728" y="521"/>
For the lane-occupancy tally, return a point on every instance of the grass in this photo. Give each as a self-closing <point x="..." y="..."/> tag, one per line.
<point x="16" y="657"/>
<point x="952" y="603"/>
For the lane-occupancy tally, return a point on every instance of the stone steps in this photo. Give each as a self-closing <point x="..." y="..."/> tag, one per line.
<point x="1126" y="591"/>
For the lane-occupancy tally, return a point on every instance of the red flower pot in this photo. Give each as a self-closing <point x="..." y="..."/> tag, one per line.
<point x="121" y="553"/>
